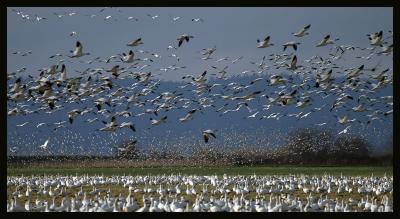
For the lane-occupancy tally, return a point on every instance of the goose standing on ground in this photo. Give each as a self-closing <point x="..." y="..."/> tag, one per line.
<point x="136" y="42"/>
<point x="303" y="31"/>
<point x="78" y="51"/>
<point x="207" y="133"/>
<point x="265" y="43"/>
<point x="183" y="38"/>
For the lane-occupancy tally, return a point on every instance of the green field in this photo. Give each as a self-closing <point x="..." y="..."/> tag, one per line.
<point x="264" y="170"/>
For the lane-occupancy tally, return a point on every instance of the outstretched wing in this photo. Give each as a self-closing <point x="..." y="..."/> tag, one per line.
<point x="205" y="136"/>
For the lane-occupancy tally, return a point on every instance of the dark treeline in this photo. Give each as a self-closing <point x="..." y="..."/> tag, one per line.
<point x="306" y="146"/>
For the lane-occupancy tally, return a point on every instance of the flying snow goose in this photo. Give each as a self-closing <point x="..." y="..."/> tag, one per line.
<point x="101" y="101"/>
<point x="188" y="116"/>
<point x="136" y="42"/>
<point x="112" y="126"/>
<point x="344" y="131"/>
<point x="376" y="39"/>
<point x="207" y="133"/>
<point x="78" y="51"/>
<point x="63" y="76"/>
<point x="265" y="43"/>
<point x="326" y="41"/>
<point x="292" y="44"/>
<point x="355" y="72"/>
<point x="72" y="114"/>
<point x="303" y="31"/>
<point x="158" y="122"/>
<point x="128" y="58"/>
<point x="46" y="143"/>
<point x="182" y="38"/>
<point x="128" y="125"/>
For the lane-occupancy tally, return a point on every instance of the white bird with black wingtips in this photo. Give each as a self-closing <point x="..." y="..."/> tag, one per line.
<point x="303" y="31"/>
<point x="326" y="41"/>
<point x="128" y="125"/>
<point x="188" y="116"/>
<point x="136" y="42"/>
<point x="46" y="143"/>
<point x="78" y="52"/>
<point x="207" y="133"/>
<point x="265" y="43"/>
<point x="292" y="44"/>
<point x="182" y="38"/>
<point x="158" y="122"/>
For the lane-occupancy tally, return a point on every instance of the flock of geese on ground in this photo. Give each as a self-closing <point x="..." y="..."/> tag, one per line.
<point x="102" y="99"/>
<point x="194" y="193"/>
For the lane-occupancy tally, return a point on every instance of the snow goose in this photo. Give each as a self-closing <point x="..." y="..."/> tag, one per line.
<point x="182" y="38"/>
<point x="293" y="64"/>
<point x="344" y="131"/>
<point x="158" y="122"/>
<point x="136" y="42"/>
<point x="277" y="80"/>
<point x="128" y="58"/>
<point x="376" y="39"/>
<point x="386" y="50"/>
<point x="78" y="51"/>
<point x="72" y="114"/>
<point x="292" y="44"/>
<point x="355" y="72"/>
<point x="115" y="70"/>
<point x="188" y="116"/>
<point x="101" y="101"/>
<point x="128" y="125"/>
<point x="197" y="20"/>
<point x="265" y="43"/>
<point x="63" y="76"/>
<point x="44" y="146"/>
<point x="112" y="126"/>
<point x="303" y="31"/>
<point x="326" y="41"/>
<point x="207" y="133"/>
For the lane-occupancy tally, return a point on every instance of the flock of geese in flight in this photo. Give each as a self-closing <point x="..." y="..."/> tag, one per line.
<point x="99" y="93"/>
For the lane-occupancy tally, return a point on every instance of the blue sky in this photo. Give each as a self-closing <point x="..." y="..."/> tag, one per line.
<point x="234" y="31"/>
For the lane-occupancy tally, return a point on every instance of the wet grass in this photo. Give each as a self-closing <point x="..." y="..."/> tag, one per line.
<point x="117" y="190"/>
<point x="259" y="170"/>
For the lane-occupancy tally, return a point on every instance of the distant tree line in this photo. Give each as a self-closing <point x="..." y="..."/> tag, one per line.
<point x="303" y="146"/>
<point x="307" y="146"/>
